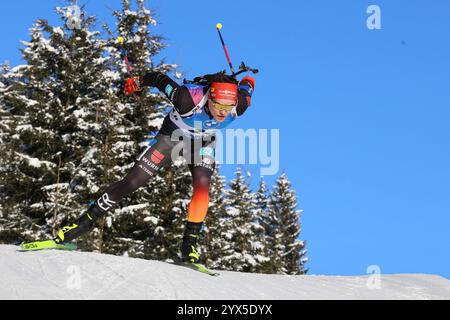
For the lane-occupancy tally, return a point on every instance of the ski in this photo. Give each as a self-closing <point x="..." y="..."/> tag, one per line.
<point x="46" y="245"/>
<point x="198" y="267"/>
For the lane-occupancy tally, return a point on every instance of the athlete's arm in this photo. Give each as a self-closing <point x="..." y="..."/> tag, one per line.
<point x="246" y="87"/>
<point x="178" y="95"/>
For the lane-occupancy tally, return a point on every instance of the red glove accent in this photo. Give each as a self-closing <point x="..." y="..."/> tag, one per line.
<point x="132" y="85"/>
<point x="249" y="80"/>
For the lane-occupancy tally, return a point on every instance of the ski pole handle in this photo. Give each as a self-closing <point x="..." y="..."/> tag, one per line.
<point x="219" y="27"/>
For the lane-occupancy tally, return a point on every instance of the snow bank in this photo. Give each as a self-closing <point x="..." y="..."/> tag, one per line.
<point x="84" y="275"/>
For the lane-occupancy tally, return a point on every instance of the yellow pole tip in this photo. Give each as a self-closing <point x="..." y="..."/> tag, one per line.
<point x="219" y="26"/>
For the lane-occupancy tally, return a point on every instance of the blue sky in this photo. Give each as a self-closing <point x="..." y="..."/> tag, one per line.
<point x="363" y="114"/>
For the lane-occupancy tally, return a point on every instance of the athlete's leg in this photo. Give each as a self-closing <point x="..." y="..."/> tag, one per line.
<point x="149" y="162"/>
<point x="202" y="171"/>
<point x="201" y="181"/>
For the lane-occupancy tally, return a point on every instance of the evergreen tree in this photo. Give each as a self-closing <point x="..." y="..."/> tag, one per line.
<point x="262" y="203"/>
<point x="5" y="123"/>
<point x="286" y="251"/>
<point x="30" y="165"/>
<point x="5" y="116"/>
<point x="74" y="134"/>
<point x="244" y="251"/>
<point x="147" y="223"/>
<point x="83" y="96"/>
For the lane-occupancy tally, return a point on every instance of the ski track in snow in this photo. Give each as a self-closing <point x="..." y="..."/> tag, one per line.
<point x="86" y="275"/>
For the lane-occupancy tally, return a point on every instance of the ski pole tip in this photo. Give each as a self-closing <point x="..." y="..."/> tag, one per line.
<point x="219" y="26"/>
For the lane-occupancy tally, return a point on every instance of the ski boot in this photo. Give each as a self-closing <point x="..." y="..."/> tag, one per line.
<point x="188" y="247"/>
<point x="82" y="225"/>
<point x="67" y="233"/>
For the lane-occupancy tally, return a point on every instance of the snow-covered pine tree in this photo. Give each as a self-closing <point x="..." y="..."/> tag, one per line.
<point x="244" y="251"/>
<point x="4" y="70"/>
<point x="5" y="123"/>
<point x="262" y="203"/>
<point x="287" y="251"/>
<point x="5" y="115"/>
<point x="84" y="95"/>
<point x="147" y="223"/>
<point x="37" y="113"/>
<point x="69" y="124"/>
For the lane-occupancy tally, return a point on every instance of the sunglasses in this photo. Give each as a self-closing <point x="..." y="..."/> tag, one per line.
<point x="222" y="107"/>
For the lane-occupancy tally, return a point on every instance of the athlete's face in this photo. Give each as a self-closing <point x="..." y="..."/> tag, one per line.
<point x="219" y="114"/>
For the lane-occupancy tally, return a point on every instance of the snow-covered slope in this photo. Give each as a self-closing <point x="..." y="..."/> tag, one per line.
<point x="84" y="275"/>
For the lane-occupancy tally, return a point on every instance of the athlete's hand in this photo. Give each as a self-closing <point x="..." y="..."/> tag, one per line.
<point x="247" y="80"/>
<point x="248" y="84"/>
<point x="133" y="85"/>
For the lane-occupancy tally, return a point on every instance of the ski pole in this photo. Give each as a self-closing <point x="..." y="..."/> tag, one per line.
<point x="121" y="40"/>
<point x="219" y="27"/>
<point x="122" y="49"/>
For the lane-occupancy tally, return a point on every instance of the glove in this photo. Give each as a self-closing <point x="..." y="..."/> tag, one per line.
<point x="247" y="80"/>
<point x="248" y="84"/>
<point x="133" y="85"/>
